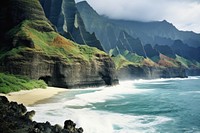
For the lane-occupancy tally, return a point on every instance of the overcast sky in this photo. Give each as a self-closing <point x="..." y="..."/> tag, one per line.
<point x="184" y="14"/>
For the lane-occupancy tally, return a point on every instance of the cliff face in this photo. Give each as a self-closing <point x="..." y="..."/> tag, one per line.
<point x="55" y="71"/>
<point x="146" y="72"/>
<point x="13" y="12"/>
<point x="33" y="48"/>
<point x="186" y="51"/>
<point x="126" y="42"/>
<point x="166" y="50"/>
<point x="150" y="51"/>
<point x="65" y="16"/>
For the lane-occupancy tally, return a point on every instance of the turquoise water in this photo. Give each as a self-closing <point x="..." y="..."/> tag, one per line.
<point x="142" y="106"/>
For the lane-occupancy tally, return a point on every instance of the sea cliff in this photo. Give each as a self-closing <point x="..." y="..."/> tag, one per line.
<point x="31" y="46"/>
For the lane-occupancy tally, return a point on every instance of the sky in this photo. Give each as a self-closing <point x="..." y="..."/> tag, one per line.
<point x="184" y="14"/>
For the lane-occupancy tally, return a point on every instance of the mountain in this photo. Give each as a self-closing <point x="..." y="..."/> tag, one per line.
<point x="166" y="50"/>
<point x="65" y="16"/>
<point x="158" y="32"/>
<point x="105" y="31"/>
<point x="155" y="41"/>
<point x="126" y="42"/>
<point x="30" y="46"/>
<point x="150" y="51"/>
<point x="186" y="51"/>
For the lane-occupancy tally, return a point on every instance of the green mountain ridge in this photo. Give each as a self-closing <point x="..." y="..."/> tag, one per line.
<point x="32" y="47"/>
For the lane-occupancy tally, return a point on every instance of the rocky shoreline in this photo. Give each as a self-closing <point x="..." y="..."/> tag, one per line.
<point x="15" y="118"/>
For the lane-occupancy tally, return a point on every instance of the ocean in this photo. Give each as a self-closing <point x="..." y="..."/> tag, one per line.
<point x="138" y="106"/>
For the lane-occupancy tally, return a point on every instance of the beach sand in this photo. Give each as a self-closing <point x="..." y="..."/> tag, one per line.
<point x="31" y="97"/>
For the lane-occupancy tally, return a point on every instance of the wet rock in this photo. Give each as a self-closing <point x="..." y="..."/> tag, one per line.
<point x="14" y="118"/>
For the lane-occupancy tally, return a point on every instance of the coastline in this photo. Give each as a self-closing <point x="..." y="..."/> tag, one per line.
<point x="31" y="97"/>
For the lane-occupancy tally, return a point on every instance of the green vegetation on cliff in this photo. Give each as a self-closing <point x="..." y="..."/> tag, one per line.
<point x="187" y="63"/>
<point x="38" y="36"/>
<point x="121" y="62"/>
<point x="128" y="58"/>
<point x="10" y="83"/>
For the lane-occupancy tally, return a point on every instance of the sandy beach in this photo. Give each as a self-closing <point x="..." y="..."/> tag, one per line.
<point x="30" y="97"/>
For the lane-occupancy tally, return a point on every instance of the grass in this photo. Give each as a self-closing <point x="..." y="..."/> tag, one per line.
<point x="120" y="62"/>
<point x="197" y="64"/>
<point x="128" y="58"/>
<point x="187" y="63"/>
<point x="12" y="83"/>
<point x="133" y="57"/>
<point x="49" y="43"/>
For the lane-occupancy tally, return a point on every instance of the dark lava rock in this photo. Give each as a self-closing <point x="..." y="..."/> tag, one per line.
<point x="14" y="118"/>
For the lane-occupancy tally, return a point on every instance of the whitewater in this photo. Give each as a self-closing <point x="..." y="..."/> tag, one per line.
<point x="135" y="106"/>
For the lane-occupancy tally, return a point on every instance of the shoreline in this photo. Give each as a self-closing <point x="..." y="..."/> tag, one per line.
<point x="32" y="97"/>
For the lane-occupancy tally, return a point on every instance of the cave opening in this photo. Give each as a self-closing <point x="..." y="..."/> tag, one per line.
<point x="46" y="79"/>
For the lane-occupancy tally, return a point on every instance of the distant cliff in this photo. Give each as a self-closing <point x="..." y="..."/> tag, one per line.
<point x="65" y="16"/>
<point x="145" y="43"/>
<point x="31" y="46"/>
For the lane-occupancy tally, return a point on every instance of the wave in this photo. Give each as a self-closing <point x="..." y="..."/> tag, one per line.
<point x="104" y="94"/>
<point x="190" y="92"/>
<point x="82" y="107"/>
<point x="160" y="80"/>
<point x="94" y="121"/>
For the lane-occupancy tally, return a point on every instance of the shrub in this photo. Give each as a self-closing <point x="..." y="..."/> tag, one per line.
<point x="11" y="83"/>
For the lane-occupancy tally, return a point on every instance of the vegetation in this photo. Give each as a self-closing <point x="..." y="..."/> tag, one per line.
<point x="48" y="42"/>
<point x="188" y="63"/>
<point x="128" y="58"/>
<point x="40" y="37"/>
<point x="11" y="83"/>
<point x="133" y="57"/>
<point x="121" y="62"/>
<point x="166" y="61"/>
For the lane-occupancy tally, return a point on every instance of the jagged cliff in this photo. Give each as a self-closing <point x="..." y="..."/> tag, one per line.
<point x="65" y="16"/>
<point x="146" y="39"/>
<point x="126" y="42"/>
<point x="158" y="32"/>
<point x="31" y="46"/>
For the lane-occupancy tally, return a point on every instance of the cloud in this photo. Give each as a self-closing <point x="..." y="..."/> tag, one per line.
<point x="184" y="14"/>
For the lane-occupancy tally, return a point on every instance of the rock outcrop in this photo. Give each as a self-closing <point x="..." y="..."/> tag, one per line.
<point x="55" y="71"/>
<point x="65" y="16"/>
<point x="33" y="48"/>
<point x="14" y="118"/>
<point x="145" y="72"/>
